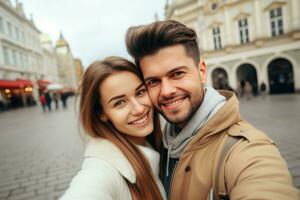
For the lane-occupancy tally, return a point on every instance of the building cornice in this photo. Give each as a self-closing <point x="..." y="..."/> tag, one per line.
<point x="256" y="44"/>
<point x="169" y="11"/>
<point x="20" y="46"/>
<point x="241" y="15"/>
<point x="274" y="5"/>
<point x="16" y="69"/>
<point x="214" y="24"/>
<point x="15" y="13"/>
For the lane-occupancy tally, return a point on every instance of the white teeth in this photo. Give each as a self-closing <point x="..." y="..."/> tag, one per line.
<point x="174" y="103"/>
<point x="140" y="121"/>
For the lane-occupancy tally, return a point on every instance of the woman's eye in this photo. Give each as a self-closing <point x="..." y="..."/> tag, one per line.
<point x="141" y="92"/>
<point x="119" y="103"/>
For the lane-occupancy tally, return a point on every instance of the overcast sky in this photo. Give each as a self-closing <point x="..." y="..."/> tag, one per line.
<point x="94" y="28"/>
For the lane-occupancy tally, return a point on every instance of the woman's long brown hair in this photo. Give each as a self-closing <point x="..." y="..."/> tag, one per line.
<point x="90" y="111"/>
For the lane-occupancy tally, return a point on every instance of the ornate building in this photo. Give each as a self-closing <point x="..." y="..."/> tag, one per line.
<point x="20" y="55"/>
<point x="79" y="71"/>
<point x="66" y="64"/>
<point x="246" y="40"/>
<point x="50" y="66"/>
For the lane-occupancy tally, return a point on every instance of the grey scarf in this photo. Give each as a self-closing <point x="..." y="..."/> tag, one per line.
<point x="174" y="142"/>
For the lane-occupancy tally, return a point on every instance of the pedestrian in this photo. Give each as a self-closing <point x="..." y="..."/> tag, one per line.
<point x="120" y="162"/>
<point x="209" y="151"/>
<point x="263" y="90"/>
<point x="43" y="102"/>
<point x="248" y="90"/>
<point x="242" y="84"/>
<point x="55" y="99"/>
<point x="63" y="98"/>
<point x="48" y="100"/>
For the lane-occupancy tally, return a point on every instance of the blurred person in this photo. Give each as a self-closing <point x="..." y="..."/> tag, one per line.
<point x="115" y="110"/>
<point x="43" y="102"/>
<point x="263" y="90"/>
<point x="55" y="99"/>
<point x="248" y="90"/>
<point x="63" y="98"/>
<point x="48" y="100"/>
<point x="209" y="151"/>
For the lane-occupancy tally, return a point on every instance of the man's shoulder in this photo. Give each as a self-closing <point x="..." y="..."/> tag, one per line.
<point x="245" y="130"/>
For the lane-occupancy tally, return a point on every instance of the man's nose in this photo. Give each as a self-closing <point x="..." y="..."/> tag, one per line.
<point x="137" y="107"/>
<point x="167" y="88"/>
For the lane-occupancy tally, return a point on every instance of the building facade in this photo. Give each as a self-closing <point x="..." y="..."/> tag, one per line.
<point x="66" y="64"/>
<point x="20" y="55"/>
<point x="79" y="71"/>
<point x="246" y="41"/>
<point x="49" y="70"/>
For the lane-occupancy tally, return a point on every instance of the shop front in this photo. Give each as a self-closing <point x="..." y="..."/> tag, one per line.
<point x="16" y="93"/>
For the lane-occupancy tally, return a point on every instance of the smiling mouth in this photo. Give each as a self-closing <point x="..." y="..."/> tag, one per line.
<point x="141" y="121"/>
<point x="171" y="105"/>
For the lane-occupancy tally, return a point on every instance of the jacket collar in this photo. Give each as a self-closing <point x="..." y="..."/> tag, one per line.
<point x="106" y="150"/>
<point x="228" y="115"/>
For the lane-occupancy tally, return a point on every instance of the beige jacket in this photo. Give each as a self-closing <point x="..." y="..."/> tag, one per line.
<point x="254" y="168"/>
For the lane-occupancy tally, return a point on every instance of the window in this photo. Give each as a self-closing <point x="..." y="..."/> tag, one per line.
<point x="276" y="20"/>
<point x="23" y="36"/>
<point x="17" y="33"/>
<point x="244" y="32"/>
<point x="26" y="61"/>
<point x="14" y="57"/>
<point x="9" y="28"/>
<point x="1" y="25"/>
<point x="6" y="55"/>
<point x="217" y="38"/>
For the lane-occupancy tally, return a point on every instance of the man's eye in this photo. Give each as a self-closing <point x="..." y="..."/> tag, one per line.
<point x="152" y="83"/>
<point x="178" y="74"/>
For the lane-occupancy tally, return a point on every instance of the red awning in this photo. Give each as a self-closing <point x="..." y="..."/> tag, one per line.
<point x="9" y="84"/>
<point x="43" y="83"/>
<point x="26" y="83"/>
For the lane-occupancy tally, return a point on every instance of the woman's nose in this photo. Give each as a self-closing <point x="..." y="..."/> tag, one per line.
<point x="137" y="107"/>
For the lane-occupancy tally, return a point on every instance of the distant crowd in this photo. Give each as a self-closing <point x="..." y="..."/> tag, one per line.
<point x="46" y="98"/>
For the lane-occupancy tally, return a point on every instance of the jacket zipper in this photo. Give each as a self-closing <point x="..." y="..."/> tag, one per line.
<point x="172" y="179"/>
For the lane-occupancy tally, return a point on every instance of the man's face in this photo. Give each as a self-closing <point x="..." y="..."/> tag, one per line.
<point x="174" y="83"/>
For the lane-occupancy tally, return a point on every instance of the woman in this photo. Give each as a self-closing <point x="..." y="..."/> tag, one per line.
<point x="116" y="112"/>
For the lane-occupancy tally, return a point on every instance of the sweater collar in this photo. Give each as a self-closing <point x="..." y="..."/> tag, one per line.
<point x="228" y="115"/>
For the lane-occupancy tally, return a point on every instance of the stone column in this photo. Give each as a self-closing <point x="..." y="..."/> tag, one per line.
<point x="295" y="6"/>
<point x="257" y="16"/>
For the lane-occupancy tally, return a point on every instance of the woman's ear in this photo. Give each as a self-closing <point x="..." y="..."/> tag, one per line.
<point x="103" y="117"/>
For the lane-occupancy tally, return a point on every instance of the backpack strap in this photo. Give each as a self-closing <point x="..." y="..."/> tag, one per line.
<point x="230" y="141"/>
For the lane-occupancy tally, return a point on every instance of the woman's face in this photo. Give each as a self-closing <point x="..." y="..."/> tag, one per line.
<point x="126" y="105"/>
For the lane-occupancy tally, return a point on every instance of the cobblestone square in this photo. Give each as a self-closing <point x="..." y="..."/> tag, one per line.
<point x="41" y="152"/>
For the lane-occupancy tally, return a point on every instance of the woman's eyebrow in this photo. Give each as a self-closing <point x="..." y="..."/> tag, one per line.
<point x="138" y="87"/>
<point x="116" y="97"/>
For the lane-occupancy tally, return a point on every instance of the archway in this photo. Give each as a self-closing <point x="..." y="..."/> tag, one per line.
<point x="281" y="76"/>
<point x="219" y="78"/>
<point x="247" y="72"/>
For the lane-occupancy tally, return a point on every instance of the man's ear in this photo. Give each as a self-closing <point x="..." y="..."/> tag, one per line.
<point x="103" y="117"/>
<point x="202" y="70"/>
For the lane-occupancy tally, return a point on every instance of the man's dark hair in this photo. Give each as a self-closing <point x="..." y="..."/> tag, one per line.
<point x="148" y="39"/>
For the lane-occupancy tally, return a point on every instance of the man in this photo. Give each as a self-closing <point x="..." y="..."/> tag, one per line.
<point x="200" y="122"/>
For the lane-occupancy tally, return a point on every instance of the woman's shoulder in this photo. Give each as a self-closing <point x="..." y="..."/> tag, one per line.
<point x="105" y="150"/>
<point x="97" y="179"/>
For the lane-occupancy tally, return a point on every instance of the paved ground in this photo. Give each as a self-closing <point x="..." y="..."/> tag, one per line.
<point x="41" y="152"/>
